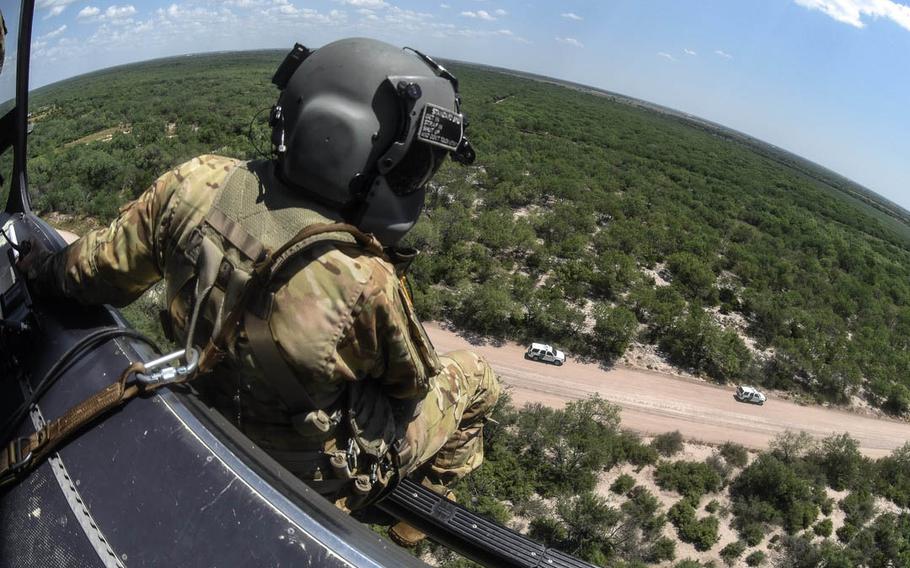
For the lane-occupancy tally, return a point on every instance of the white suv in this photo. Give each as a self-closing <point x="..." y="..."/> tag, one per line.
<point x="545" y="353"/>
<point x="749" y="394"/>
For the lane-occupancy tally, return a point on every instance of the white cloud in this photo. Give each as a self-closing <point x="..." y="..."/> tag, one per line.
<point x="569" y="41"/>
<point x="371" y="4"/>
<point x="479" y="14"/>
<point x="688" y="51"/>
<point x="853" y="12"/>
<point x="571" y="16"/>
<point x="88" y="13"/>
<point x="119" y="12"/>
<point x="54" y="33"/>
<point x="444" y="6"/>
<point x="666" y="55"/>
<point x="53" y="7"/>
<point x="723" y="54"/>
<point x="500" y="12"/>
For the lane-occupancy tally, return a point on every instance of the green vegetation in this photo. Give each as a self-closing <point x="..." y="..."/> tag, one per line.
<point x="757" y="558"/>
<point x="701" y="533"/>
<point x="731" y="553"/>
<point x="575" y="203"/>
<point x="734" y="454"/>
<point x="689" y="479"/>
<point x="549" y="235"/>
<point x="823" y="528"/>
<point x="623" y="484"/>
<point x="668" y="444"/>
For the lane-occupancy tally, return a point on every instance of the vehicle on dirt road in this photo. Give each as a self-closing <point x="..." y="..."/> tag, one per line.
<point x="545" y="353"/>
<point x="750" y="394"/>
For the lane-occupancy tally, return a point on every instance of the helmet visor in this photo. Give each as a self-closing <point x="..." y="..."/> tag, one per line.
<point x="416" y="168"/>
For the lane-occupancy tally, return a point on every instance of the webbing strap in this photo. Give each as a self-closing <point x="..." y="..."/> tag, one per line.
<point x="23" y="453"/>
<point x="281" y="377"/>
<point x="235" y="234"/>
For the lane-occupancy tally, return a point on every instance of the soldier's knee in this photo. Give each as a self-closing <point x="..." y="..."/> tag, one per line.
<point x="481" y="379"/>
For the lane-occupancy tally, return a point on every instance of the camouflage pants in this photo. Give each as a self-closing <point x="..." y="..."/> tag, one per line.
<point x="447" y="434"/>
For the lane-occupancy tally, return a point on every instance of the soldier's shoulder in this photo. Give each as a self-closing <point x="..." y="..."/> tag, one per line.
<point x="205" y="168"/>
<point x="351" y="264"/>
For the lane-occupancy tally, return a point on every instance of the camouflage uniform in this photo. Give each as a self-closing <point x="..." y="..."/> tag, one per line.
<point x="341" y="319"/>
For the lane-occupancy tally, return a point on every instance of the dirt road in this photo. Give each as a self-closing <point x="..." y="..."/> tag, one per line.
<point x="653" y="403"/>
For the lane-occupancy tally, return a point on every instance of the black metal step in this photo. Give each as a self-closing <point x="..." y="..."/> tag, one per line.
<point x="471" y="535"/>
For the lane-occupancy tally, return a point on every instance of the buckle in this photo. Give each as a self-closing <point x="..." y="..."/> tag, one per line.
<point x="162" y="371"/>
<point x="19" y="461"/>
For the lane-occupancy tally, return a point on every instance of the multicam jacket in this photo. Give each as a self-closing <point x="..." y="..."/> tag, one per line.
<point x="339" y="318"/>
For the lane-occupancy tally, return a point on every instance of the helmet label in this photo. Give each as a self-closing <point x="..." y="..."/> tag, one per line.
<point x="440" y="127"/>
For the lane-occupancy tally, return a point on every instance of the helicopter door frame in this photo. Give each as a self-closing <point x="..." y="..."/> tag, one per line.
<point x="18" y="200"/>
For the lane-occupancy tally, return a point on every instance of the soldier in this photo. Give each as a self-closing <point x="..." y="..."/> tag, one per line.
<point x="330" y="370"/>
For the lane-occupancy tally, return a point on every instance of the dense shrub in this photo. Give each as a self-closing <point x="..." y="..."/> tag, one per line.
<point x="734" y="454"/>
<point x="771" y="491"/>
<point x="690" y="479"/>
<point x="668" y="444"/>
<point x="731" y="553"/>
<point x="893" y="476"/>
<point x="823" y="528"/>
<point x="701" y="533"/>
<point x="663" y="549"/>
<point x="841" y="461"/>
<point x="757" y="558"/>
<point x="858" y="506"/>
<point x="623" y="484"/>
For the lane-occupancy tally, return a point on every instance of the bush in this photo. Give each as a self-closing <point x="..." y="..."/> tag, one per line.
<point x="713" y="506"/>
<point x="846" y="532"/>
<point x="668" y="444"/>
<point x="757" y="558"/>
<point x="823" y="528"/>
<point x="732" y="551"/>
<point x="689" y="479"/>
<point x="701" y="533"/>
<point x="634" y="452"/>
<point x="661" y="550"/>
<point x="893" y="476"/>
<point x="614" y="329"/>
<point x="734" y="454"/>
<point x="642" y="511"/>
<point x="752" y="533"/>
<point x="771" y="491"/>
<point x="623" y="484"/>
<point x="859" y="507"/>
<point x="841" y="461"/>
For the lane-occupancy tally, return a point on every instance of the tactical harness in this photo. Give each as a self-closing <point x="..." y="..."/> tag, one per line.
<point x="233" y="271"/>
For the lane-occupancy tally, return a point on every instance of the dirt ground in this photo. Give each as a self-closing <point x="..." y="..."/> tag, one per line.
<point x="653" y="403"/>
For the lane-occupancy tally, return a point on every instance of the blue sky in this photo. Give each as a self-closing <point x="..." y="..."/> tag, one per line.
<point x="826" y="79"/>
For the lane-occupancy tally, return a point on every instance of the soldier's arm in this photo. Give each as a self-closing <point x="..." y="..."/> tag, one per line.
<point x="116" y="264"/>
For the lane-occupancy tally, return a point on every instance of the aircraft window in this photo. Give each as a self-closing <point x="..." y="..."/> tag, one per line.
<point x="9" y="31"/>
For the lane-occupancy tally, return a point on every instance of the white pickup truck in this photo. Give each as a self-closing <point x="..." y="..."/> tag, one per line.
<point x="545" y="353"/>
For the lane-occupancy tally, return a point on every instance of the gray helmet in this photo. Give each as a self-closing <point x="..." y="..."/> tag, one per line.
<point x="361" y="126"/>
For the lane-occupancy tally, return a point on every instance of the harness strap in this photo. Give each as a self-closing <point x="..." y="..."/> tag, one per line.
<point x="281" y="377"/>
<point x="23" y="453"/>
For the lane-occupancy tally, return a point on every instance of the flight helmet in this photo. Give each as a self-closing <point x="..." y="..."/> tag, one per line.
<point x="361" y="126"/>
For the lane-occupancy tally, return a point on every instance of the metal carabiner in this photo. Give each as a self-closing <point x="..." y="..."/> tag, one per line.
<point x="160" y="371"/>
